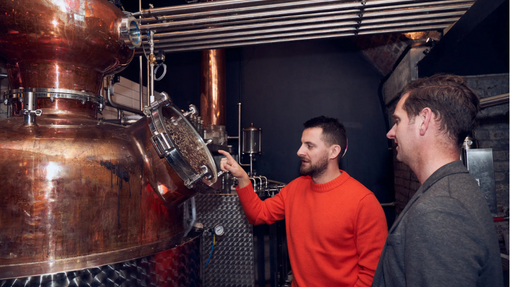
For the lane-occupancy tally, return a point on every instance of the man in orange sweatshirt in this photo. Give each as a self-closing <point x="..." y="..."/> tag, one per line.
<point x="336" y="227"/>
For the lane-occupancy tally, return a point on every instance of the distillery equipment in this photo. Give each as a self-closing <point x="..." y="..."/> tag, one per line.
<point x="78" y="193"/>
<point x="252" y="140"/>
<point x="252" y="143"/>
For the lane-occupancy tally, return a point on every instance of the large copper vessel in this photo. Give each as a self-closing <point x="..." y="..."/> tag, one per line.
<point x="76" y="192"/>
<point x="61" y="44"/>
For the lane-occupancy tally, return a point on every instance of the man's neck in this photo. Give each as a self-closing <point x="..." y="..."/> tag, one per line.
<point x="330" y="174"/>
<point x="431" y="164"/>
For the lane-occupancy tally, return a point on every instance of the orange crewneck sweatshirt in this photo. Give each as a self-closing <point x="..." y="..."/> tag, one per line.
<point x="335" y="231"/>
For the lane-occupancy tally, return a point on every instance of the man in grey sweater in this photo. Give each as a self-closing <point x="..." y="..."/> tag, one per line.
<point x="445" y="236"/>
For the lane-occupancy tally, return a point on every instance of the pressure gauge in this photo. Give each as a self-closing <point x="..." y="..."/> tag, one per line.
<point x="219" y="230"/>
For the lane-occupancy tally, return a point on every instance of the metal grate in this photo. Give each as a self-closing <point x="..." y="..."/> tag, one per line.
<point x="232" y="260"/>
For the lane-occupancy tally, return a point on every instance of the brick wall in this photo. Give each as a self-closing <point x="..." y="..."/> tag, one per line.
<point x="491" y="131"/>
<point x="383" y="50"/>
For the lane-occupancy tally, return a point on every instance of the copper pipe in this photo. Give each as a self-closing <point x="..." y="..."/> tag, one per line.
<point x="213" y="87"/>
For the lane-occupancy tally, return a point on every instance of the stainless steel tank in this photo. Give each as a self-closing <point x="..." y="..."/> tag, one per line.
<point x="77" y="192"/>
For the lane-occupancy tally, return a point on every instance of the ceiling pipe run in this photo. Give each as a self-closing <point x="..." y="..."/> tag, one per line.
<point x="283" y="26"/>
<point x="235" y="23"/>
<point x="290" y="33"/>
<point x="193" y="19"/>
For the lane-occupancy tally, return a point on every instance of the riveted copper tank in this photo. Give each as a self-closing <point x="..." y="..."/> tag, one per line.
<point x="75" y="192"/>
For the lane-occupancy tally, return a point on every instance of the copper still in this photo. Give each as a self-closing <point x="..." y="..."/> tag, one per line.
<point x="78" y="192"/>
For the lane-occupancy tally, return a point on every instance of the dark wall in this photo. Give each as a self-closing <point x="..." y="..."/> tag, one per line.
<point x="182" y="79"/>
<point x="281" y="86"/>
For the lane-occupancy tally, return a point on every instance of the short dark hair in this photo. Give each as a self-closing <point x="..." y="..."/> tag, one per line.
<point x="333" y="131"/>
<point x="450" y="99"/>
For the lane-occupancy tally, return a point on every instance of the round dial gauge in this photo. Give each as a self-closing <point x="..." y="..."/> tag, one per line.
<point x="219" y="230"/>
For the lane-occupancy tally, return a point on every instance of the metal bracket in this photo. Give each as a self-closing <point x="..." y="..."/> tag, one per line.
<point x="191" y="182"/>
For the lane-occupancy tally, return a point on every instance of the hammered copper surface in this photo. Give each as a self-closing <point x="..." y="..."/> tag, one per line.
<point x="61" y="44"/>
<point x="78" y="193"/>
<point x="213" y="87"/>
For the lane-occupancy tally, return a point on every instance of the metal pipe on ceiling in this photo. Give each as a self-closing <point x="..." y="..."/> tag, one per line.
<point x="292" y="21"/>
<point x="261" y="35"/>
<point x="210" y="8"/>
<point x="290" y="39"/>
<point x="283" y="27"/>
<point x="257" y="21"/>
<point x="206" y="14"/>
<point x="193" y="21"/>
<point x="367" y="11"/>
<point x="232" y="17"/>
<point x="494" y="101"/>
<point x="369" y="17"/>
<point x="238" y="6"/>
<point x="241" y="23"/>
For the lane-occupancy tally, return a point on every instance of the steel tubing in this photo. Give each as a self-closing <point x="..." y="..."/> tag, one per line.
<point x="249" y="29"/>
<point x="263" y="15"/>
<point x="216" y="20"/>
<point x="370" y="17"/>
<point x="281" y="27"/>
<point x="205" y="14"/>
<point x="494" y="101"/>
<point x="223" y="24"/>
<point x="163" y="33"/>
<point x="232" y="5"/>
<point x="312" y="37"/>
<point x="210" y="9"/>
<point x="308" y="32"/>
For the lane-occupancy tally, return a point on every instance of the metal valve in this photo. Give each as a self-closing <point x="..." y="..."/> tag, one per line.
<point x="192" y="110"/>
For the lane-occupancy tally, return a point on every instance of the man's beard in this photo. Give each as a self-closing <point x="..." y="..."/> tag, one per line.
<point x="315" y="169"/>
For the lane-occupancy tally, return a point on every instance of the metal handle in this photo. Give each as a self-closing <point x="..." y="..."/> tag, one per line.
<point x="191" y="182"/>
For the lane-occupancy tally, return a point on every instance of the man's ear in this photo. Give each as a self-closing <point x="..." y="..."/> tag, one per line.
<point x="335" y="151"/>
<point x="426" y="118"/>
